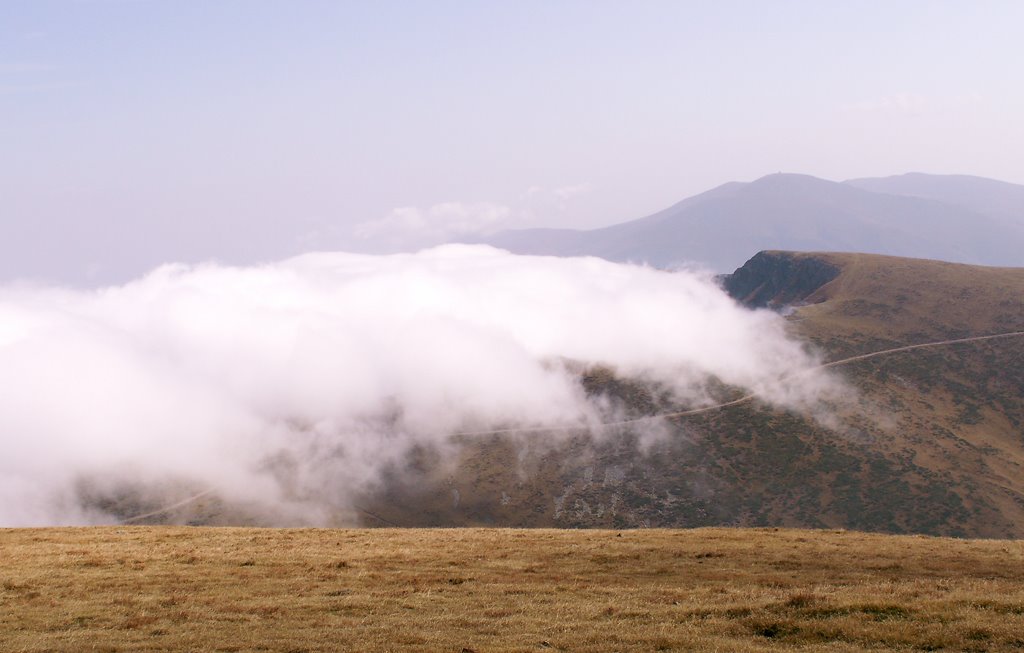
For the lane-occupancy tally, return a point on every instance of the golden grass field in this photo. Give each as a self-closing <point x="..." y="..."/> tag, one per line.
<point x="232" y="589"/>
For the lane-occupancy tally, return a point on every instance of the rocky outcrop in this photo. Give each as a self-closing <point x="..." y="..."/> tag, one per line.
<point x="777" y="279"/>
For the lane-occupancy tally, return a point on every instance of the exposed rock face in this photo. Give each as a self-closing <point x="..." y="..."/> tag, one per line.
<point x="776" y="279"/>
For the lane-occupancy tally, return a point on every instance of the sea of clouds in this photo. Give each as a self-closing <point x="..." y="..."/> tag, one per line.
<point x="291" y="385"/>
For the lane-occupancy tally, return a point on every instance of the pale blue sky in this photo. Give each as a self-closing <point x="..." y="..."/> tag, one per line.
<point x="133" y="132"/>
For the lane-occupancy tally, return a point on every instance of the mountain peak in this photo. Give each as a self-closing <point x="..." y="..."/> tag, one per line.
<point x="945" y="219"/>
<point x="788" y="177"/>
<point x="793" y="182"/>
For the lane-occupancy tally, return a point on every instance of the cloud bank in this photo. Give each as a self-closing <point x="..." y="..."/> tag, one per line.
<point x="290" y="386"/>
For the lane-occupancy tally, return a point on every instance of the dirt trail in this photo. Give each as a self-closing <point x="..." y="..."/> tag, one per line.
<point x="938" y="343"/>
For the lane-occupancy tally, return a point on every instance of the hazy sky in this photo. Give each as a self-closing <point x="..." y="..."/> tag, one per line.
<point x="138" y="131"/>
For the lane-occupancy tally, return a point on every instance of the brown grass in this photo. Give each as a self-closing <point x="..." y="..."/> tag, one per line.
<point x="176" y="589"/>
<point x="885" y="299"/>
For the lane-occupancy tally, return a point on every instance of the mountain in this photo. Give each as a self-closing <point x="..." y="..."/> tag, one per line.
<point x="719" y="228"/>
<point x="931" y="441"/>
<point x="985" y="196"/>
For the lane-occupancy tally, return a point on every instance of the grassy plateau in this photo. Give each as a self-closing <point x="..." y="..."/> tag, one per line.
<point x="465" y="590"/>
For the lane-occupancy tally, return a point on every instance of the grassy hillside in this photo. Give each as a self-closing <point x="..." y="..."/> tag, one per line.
<point x="951" y="414"/>
<point x="884" y="299"/>
<point x="240" y="590"/>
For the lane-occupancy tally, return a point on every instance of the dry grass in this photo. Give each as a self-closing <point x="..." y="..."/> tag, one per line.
<point x="170" y="588"/>
<point x="893" y="300"/>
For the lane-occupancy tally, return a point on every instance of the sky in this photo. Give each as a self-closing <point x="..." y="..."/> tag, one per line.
<point x="138" y="132"/>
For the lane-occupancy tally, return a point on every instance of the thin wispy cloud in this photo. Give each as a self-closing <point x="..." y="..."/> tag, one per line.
<point x="569" y="192"/>
<point x="412" y="227"/>
<point x="565" y="192"/>
<point x="899" y="103"/>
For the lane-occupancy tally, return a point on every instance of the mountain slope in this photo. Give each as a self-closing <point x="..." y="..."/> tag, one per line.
<point x="721" y="227"/>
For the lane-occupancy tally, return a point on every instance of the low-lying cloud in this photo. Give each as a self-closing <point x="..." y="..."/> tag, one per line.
<point x="290" y="386"/>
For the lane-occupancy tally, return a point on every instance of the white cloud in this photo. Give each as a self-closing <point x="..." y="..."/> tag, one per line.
<point x="568" y="192"/>
<point x="414" y="227"/>
<point x="544" y="206"/>
<point x="290" y="386"/>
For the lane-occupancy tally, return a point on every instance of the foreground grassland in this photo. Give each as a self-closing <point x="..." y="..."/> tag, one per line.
<point x="214" y="589"/>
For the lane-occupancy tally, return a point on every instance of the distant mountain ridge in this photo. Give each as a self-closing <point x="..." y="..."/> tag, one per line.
<point x="953" y="218"/>
<point x="986" y="196"/>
